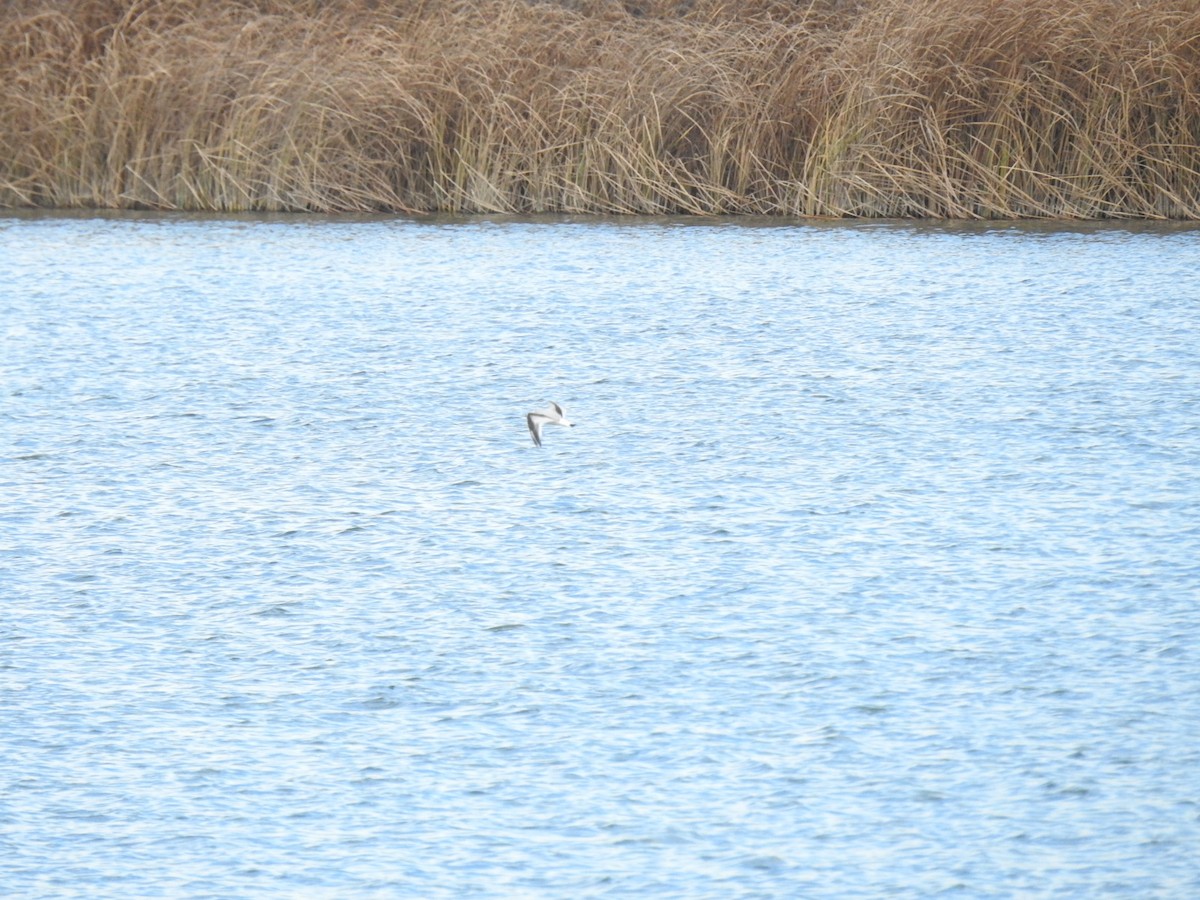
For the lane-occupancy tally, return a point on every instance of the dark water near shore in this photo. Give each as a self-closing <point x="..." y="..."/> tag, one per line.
<point x="871" y="569"/>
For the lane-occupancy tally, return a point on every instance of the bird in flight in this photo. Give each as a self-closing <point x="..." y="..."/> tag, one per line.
<point x="552" y="416"/>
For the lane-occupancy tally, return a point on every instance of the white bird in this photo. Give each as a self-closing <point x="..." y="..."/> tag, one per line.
<point x="552" y="416"/>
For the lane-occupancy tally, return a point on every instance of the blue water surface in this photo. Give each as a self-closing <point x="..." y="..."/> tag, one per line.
<point x="871" y="569"/>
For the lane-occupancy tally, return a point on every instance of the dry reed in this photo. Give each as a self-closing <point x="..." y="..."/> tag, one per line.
<point x="949" y="108"/>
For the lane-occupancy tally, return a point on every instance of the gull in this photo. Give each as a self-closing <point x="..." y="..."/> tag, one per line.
<point x="552" y="416"/>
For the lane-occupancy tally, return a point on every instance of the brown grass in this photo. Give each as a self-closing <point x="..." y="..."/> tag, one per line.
<point x="955" y="108"/>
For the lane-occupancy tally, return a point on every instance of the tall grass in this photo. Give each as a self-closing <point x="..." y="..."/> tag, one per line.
<point x="957" y="108"/>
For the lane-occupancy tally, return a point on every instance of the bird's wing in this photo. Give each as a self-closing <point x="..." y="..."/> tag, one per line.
<point x="534" y="421"/>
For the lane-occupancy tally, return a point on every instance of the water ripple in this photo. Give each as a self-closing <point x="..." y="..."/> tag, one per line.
<point x="870" y="569"/>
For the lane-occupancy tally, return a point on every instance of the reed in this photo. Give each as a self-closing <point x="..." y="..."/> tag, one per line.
<point x="947" y="108"/>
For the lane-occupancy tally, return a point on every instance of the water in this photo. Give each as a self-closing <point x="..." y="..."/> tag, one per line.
<point x="871" y="569"/>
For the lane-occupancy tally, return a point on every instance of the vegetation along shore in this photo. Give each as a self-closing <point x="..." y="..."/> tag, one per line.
<point x="946" y="108"/>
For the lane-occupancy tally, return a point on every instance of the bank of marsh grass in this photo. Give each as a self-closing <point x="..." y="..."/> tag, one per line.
<point x="954" y="108"/>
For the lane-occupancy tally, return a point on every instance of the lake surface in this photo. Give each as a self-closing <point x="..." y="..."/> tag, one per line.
<point x="871" y="569"/>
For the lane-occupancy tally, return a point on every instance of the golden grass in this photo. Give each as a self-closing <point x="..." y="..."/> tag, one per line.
<point x="949" y="108"/>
